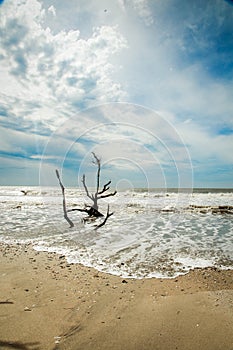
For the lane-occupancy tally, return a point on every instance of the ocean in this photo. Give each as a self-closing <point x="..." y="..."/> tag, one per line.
<point x="153" y="233"/>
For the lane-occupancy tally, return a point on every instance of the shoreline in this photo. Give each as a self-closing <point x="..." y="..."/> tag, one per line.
<point x="49" y="304"/>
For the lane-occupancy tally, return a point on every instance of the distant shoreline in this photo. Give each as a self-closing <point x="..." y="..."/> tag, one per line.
<point x="143" y="189"/>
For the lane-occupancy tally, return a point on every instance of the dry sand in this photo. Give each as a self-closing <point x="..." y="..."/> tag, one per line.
<point x="46" y="303"/>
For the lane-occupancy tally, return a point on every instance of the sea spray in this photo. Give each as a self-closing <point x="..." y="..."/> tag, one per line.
<point x="152" y="233"/>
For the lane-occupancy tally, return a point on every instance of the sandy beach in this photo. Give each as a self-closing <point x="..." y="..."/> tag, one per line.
<point x="46" y="303"/>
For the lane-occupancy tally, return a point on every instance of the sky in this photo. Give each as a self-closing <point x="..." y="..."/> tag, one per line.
<point x="147" y="85"/>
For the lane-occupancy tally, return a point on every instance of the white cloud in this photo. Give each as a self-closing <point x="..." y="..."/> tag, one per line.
<point x="125" y="136"/>
<point x="122" y="5"/>
<point x="143" y="10"/>
<point x="62" y="71"/>
<point x="52" y="10"/>
<point x="205" y="147"/>
<point x="21" y="143"/>
<point x="192" y="91"/>
<point x="58" y="59"/>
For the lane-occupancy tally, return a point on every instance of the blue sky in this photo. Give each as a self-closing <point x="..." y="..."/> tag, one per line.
<point x="145" y="84"/>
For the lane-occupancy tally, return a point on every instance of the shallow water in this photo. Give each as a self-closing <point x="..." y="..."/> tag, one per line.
<point x="150" y="234"/>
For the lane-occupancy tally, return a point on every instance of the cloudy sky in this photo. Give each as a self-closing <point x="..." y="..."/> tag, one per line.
<point x="145" y="84"/>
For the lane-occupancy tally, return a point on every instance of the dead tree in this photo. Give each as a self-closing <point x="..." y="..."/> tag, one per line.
<point x="92" y="210"/>
<point x="99" y="194"/>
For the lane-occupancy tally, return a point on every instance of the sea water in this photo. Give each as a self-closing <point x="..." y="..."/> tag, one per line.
<point x="153" y="233"/>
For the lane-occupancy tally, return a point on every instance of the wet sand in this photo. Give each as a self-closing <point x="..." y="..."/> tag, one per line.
<point x="46" y="303"/>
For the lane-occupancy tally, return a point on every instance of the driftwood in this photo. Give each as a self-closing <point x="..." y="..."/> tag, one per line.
<point x="70" y="222"/>
<point x="99" y="194"/>
<point x="106" y="218"/>
<point x="92" y="210"/>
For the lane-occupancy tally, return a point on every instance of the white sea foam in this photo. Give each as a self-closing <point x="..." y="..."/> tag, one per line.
<point x="150" y="234"/>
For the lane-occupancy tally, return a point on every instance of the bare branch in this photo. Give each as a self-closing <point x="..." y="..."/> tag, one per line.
<point x="105" y="220"/>
<point x="86" y="189"/>
<point x="91" y="211"/>
<point x="105" y="188"/>
<point x="64" y="201"/>
<point x="78" y="209"/>
<point x="108" y="195"/>
<point x="97" y="162"/>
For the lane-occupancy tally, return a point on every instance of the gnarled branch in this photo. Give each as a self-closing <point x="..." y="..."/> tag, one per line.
<point x="64" y="200"/>
<point x="85" y="187"/>
<point x="91" y="211"/>
<point x="106" y="218"/>
<point x="98" y="194"/>
<point x="97" y="162"/>
<point x="106" y="187"/>
<point x="108" y="195"/>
